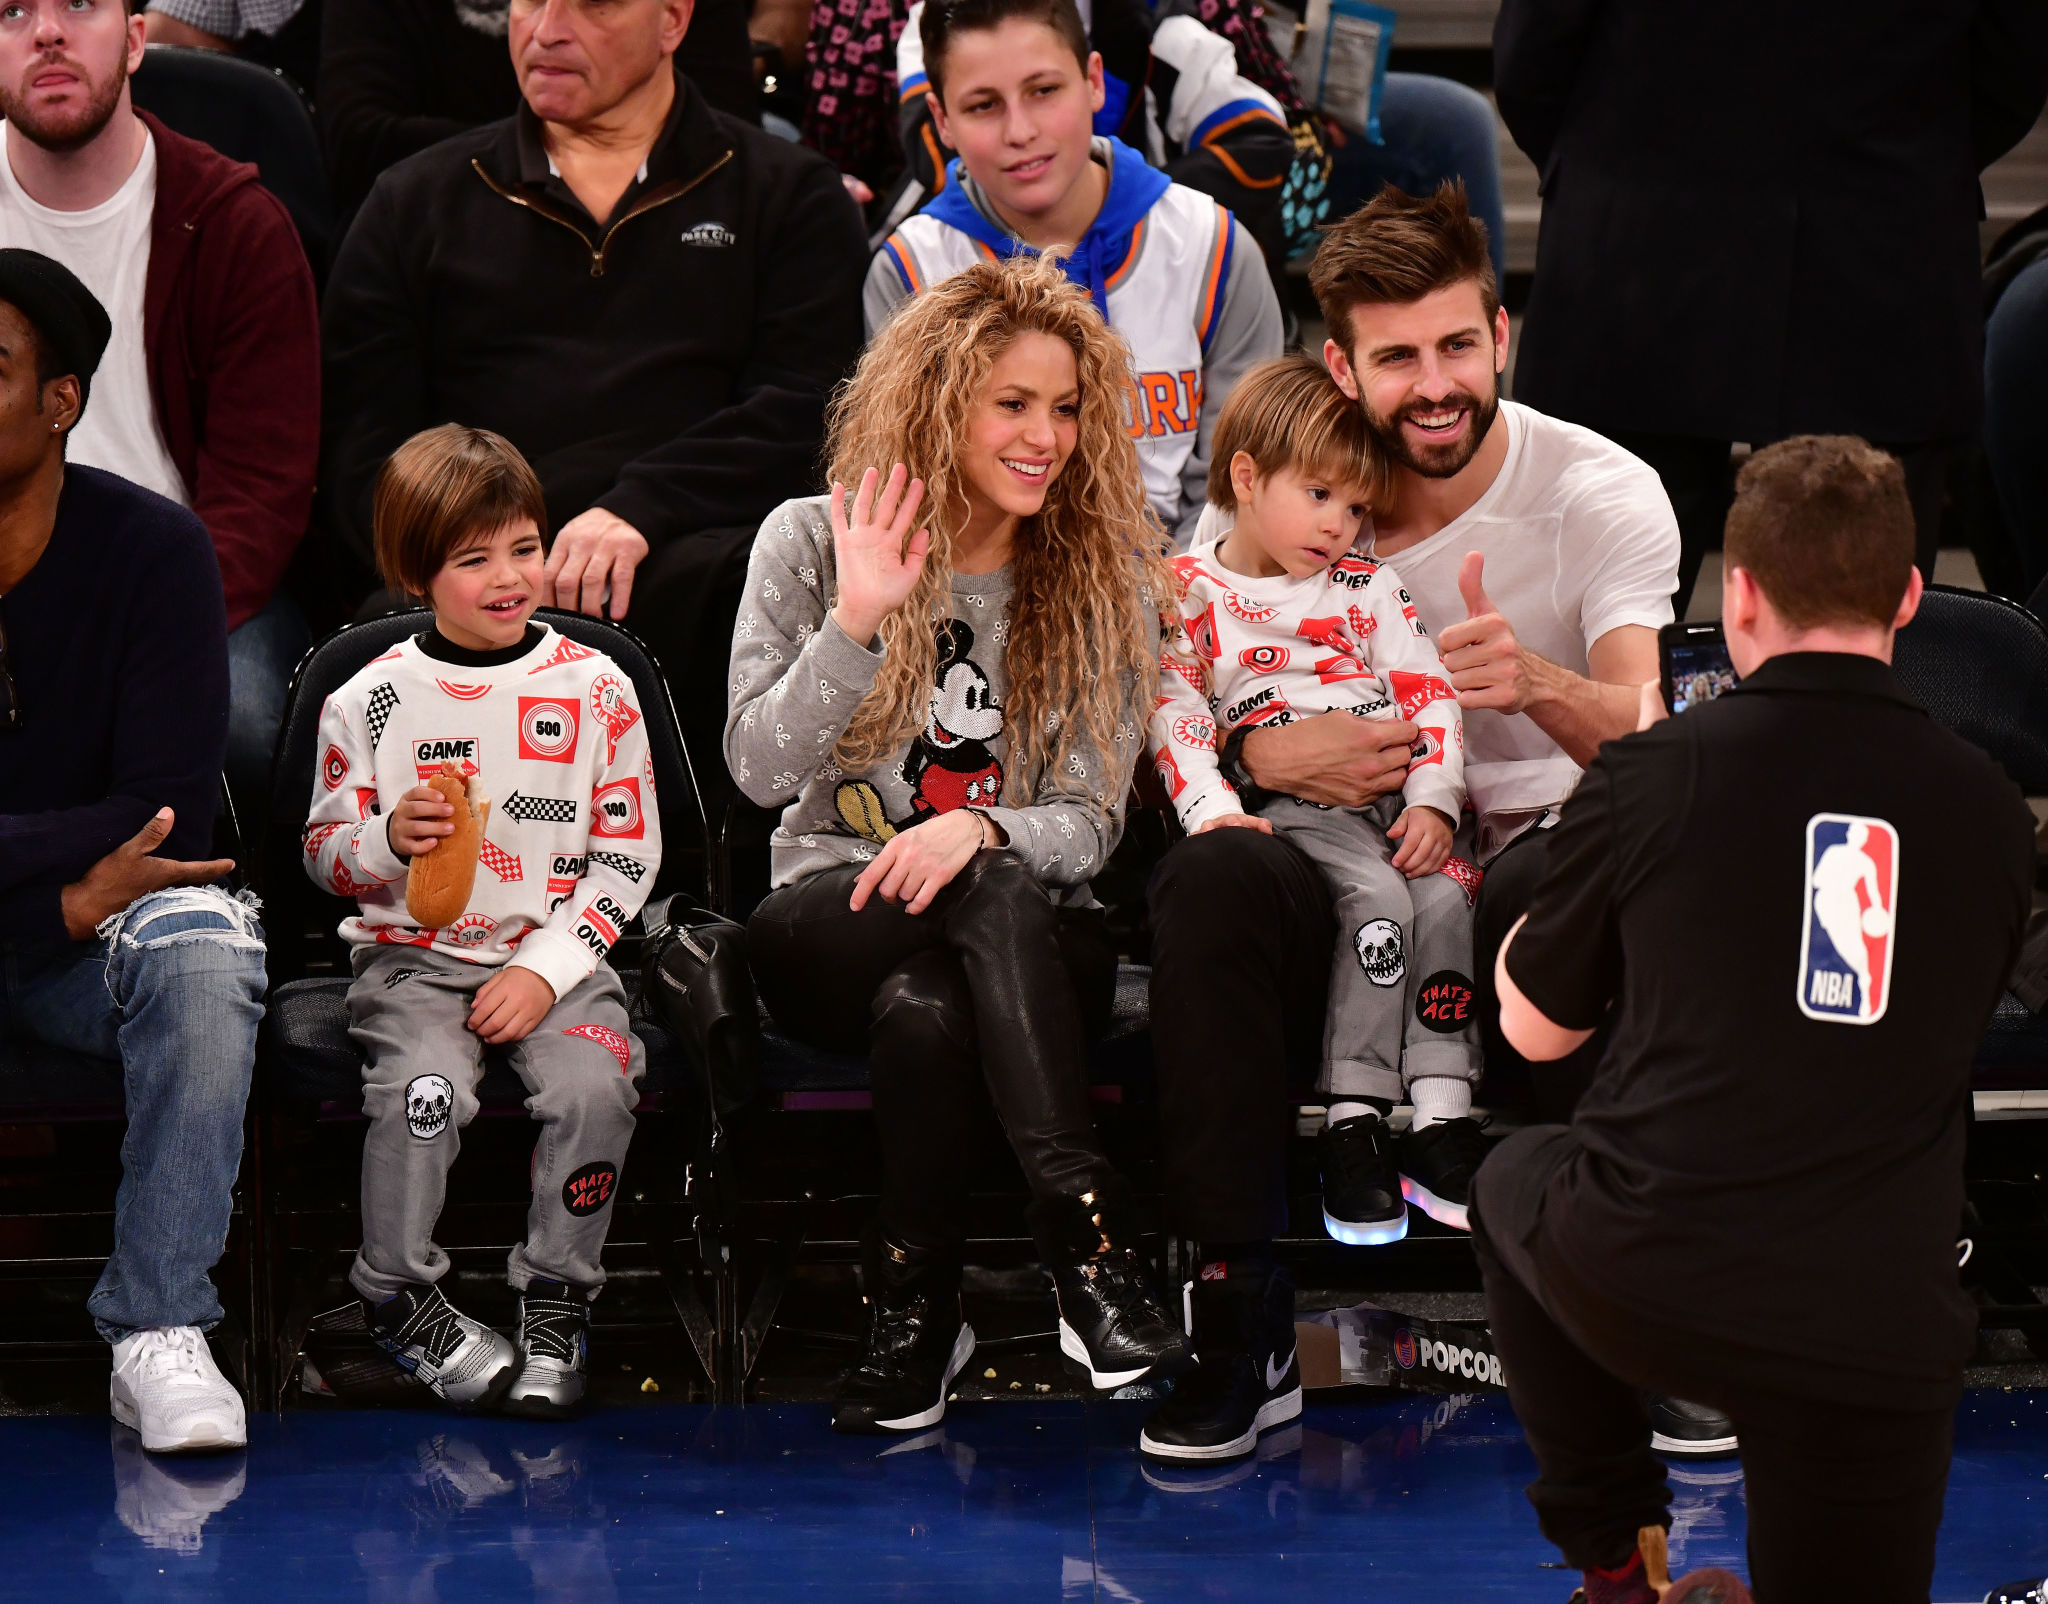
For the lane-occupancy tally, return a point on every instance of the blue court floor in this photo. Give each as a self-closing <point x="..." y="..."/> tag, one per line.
<point x="1418" y="1500"/>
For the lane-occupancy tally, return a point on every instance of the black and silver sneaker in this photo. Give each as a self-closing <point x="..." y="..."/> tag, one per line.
<point x="1362" y="1201"/>
<point x="1112" y="1324"/>
<point x="917" y="1341"/>
<point x="554" y="1351"/>
<point x="462" y="1361"/>
<point x="2029" y="1592"/>
<point x="1248" y="1379"/>
<point x="1437" y="1166"/>
<point x="1690" y="1430"/>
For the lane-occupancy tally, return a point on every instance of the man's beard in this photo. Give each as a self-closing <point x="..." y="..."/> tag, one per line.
<point x="67" y="130"/>
<point x="1435" y="462"/>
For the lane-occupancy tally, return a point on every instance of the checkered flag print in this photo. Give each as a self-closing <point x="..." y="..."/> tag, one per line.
<point x="619" y="863"/>
<point x="383" y="699"/>
<point x="539" y="809"/>
<point x="500" y="862"/>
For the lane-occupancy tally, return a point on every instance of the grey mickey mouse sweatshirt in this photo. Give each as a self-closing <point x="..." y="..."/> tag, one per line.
<point x="797" y="678"/>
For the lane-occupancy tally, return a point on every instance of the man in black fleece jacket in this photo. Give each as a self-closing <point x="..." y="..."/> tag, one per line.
<point x="113" y="724"/>
<point x="649" y="298"/>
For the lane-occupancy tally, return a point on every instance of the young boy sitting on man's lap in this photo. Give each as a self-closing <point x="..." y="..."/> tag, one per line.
<point x="1286" y="617"/>
<point x="567" y="855"/>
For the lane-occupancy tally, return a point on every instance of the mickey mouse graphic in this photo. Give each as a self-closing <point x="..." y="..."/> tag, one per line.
<point x="949" y="765"/>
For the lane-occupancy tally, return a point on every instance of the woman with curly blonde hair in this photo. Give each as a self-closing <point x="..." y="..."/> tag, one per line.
<point x="948" y="708"/>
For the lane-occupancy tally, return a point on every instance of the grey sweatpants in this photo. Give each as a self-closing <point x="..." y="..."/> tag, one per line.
<point x="407" y="1010"/>
<point x="1402" y="1004"/>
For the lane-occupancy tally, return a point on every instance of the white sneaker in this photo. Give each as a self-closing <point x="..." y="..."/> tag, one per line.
<point x="166" y="1386"/>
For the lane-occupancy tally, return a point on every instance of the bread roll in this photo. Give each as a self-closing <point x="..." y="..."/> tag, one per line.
<point x="437" y="886"/>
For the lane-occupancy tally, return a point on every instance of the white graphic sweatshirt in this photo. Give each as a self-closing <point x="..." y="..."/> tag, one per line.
<point x="1270" y="651"/>
<point x="573" y="839"/>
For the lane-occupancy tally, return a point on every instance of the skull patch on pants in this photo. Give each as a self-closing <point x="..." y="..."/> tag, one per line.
<point x="1379" y="952"/>
<point x="429" y="1099"/>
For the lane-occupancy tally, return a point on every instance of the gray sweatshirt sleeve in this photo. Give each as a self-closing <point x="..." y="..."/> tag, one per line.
<point x="883" y="292"/>
<point x="796" y="675"/>
<point x="1249" y="333"/>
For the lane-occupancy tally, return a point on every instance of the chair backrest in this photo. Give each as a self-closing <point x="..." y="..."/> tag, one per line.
<point x="1979" y="664"/>
<point x="296" y="909"/>
<point x="251" y="114"/>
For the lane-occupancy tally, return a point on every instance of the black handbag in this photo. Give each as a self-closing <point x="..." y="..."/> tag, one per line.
<point x="696" y="978"/>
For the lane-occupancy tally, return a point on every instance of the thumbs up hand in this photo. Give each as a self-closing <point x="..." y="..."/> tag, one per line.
<point x="1472" y="586"/>
<point x="1486" y="663"/>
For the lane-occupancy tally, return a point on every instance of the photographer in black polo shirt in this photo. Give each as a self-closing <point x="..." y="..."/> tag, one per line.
<point x="1800" y="902"/>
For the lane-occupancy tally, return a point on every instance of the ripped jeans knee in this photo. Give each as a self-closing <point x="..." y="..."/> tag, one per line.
<point x="198" y="936"/>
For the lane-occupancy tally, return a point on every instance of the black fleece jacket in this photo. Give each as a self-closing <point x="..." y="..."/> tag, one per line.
<point x="670" y="366"/>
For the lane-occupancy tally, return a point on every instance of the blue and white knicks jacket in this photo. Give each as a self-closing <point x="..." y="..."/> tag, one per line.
<point x="1176" y="275"/>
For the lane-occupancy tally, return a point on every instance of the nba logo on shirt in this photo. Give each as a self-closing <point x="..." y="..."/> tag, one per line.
<point x="1845" y="952"/>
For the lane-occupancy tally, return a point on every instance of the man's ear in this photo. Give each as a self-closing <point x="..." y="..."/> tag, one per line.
<point x="1338" y="361"/>
<point x="1500" y="339"/>
<point x="675" y="22"/>
<point x="137" y="38"/>
<point x="1909" y="604"/>
<point x="1741" y="600"/>
<point x="61" y="403"/>
<point x="1098" y="92"/>
<point x="937" y="109"/>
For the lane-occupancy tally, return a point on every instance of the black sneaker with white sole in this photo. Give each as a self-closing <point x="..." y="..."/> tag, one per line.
<point x="1362" y="1201"/>
<point x="1437" y="1166"/>
<point x="917" y="1340"/>
<point x="1112" y="1324"/>
<point x="1248" y="1376"/>
<point x="1690" y="1430"/>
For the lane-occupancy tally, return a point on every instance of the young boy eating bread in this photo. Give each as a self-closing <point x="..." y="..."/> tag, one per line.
<point x="484" y="924"/>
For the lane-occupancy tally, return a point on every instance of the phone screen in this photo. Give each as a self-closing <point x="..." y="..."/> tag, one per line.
<point x="1696" y="670"/>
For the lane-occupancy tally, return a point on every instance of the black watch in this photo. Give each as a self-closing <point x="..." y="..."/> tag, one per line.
<point x="1250" y="794"/>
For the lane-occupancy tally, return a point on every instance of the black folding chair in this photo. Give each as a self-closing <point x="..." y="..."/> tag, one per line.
<point x="309" y="1074"/>
<point x="252" y="114"/>
<point x="1979" y="665"/>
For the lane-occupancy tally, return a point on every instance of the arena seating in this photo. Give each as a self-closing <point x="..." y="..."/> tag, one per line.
<point x="308" y="1095"/>
<point x="253" y="114"/>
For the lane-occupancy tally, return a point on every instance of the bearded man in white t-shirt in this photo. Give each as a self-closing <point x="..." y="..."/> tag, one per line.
<point x="209" y="393"/>
<point x="1542" y="557"/>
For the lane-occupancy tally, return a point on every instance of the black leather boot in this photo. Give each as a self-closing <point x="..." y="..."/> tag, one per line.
<point x="1111" y="1321"/>
<point x="917" y="1341"/>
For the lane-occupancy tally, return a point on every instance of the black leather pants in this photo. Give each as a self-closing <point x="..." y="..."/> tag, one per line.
<point x="989" y="985"/>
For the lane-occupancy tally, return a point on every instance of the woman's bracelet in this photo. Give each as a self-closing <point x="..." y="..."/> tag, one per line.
<point x="987" y="824"/>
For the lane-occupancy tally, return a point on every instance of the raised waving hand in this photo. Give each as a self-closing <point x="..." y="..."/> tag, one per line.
<point x="874" y="552"/>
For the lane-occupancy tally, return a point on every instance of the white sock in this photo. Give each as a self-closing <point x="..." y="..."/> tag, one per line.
<point x="1436" y="1098"/>
<point x="1343" y="1111"/>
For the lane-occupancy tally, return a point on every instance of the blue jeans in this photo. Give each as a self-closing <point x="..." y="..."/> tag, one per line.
<point x="262" y="654"/>
<point x="173" y="992"/>
<point x="2016" y="413"/>
<point x="1434" y="129"/>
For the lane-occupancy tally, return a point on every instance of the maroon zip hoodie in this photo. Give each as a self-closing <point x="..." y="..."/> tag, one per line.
<point x="232" y="331"/>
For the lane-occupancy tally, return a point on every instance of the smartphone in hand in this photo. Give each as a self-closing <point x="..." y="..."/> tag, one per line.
<point x="1693" y="662"/>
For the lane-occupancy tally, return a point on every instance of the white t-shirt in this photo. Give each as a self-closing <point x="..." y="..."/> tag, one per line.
<point x="107" y="246"/>
<point x="1579" y="538"/>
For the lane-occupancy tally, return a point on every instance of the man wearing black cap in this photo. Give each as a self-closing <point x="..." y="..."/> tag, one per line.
<point x="113" y="723"/>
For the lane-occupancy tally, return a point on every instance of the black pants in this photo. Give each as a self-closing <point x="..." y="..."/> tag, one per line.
<point x="1700" y="481"/>
<point x="1550" y="1090"/>
<point x="990" y="985"/>
<point x="1242" y="931"/>
<point x="1844" y="1501"/>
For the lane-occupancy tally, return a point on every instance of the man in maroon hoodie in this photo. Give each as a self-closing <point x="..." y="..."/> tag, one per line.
<point x="209" y="392"/>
